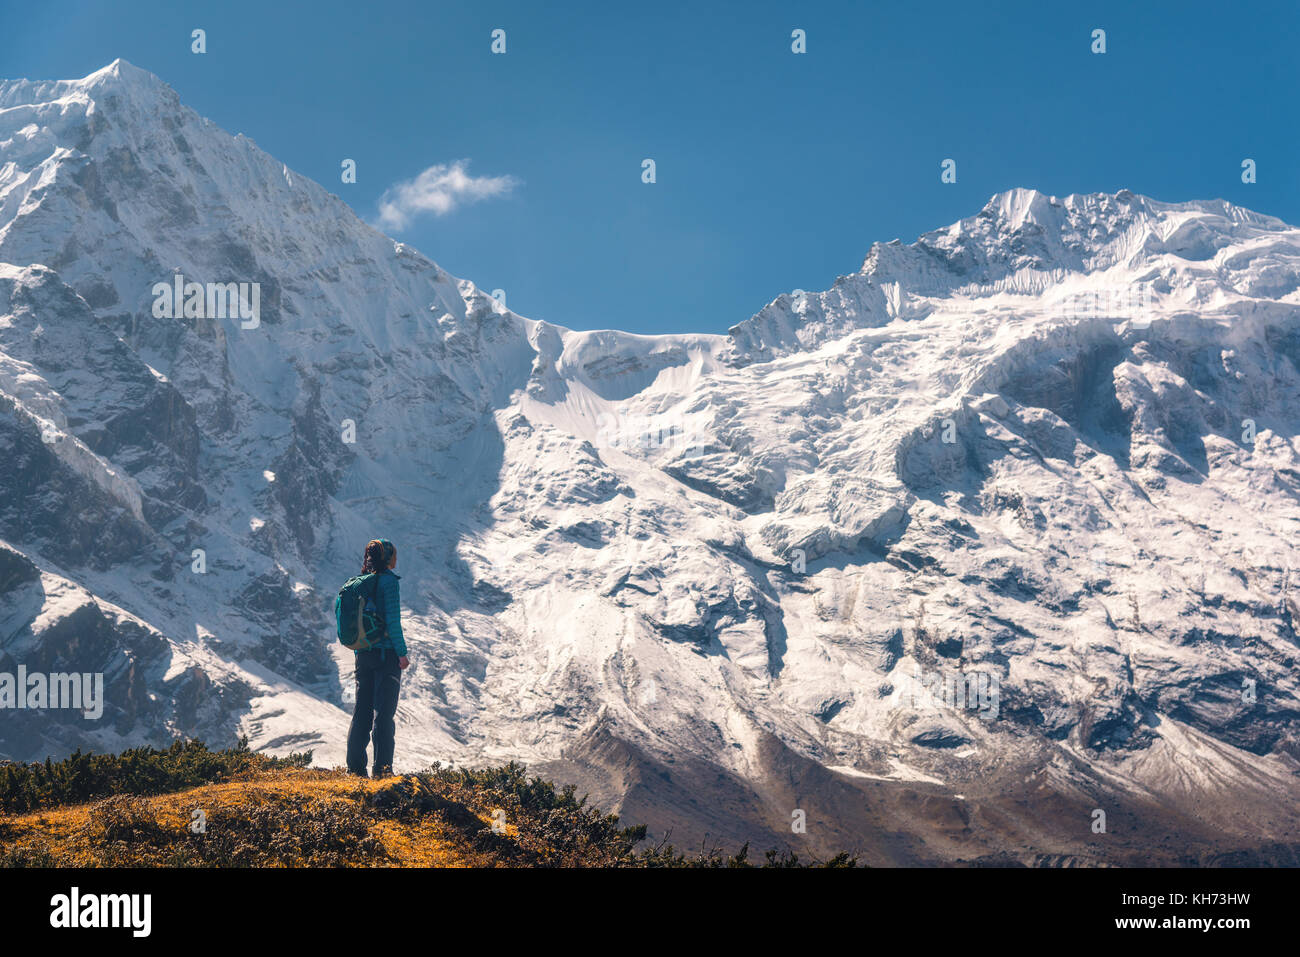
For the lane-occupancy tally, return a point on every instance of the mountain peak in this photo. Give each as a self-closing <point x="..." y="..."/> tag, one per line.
<point x="1024" y="241"/>
<point x="1024" y="227"/>
<point x="1019" y="206"/>
<point x="120" y="72"/>
<point x="120" y="76"/>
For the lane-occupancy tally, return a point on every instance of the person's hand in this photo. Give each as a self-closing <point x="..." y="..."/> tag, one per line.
<point x="403" y="662"/>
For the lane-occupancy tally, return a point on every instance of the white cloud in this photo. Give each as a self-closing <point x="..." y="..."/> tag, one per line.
<point x="438" y="190"/>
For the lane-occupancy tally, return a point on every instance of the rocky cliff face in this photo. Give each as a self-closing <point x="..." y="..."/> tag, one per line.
<point x="1050" y="451"/>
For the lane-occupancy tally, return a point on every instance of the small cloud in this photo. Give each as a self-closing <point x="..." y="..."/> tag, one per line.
<point x="438" y="190"/>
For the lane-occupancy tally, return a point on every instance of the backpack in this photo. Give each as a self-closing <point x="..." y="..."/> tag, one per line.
<point x="360" y="623"/>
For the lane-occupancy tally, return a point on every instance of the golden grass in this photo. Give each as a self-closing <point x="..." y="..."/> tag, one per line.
<point x="424" y="842"/>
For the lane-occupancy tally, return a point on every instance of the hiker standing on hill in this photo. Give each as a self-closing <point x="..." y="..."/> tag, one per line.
<point x="379" y="668"/>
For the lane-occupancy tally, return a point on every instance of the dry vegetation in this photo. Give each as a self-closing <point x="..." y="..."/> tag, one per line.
<point x="141" y="809"/>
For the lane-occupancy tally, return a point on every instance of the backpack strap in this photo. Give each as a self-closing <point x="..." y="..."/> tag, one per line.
<point x="382" y="643"/>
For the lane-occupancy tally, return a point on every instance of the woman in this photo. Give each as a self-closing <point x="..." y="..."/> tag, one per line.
<point x="379" y="668"/>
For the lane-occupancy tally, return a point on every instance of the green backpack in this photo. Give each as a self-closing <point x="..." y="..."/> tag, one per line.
<point x="356" y="610"/>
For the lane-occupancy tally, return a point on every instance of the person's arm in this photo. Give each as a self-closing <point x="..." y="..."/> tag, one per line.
<point x="393" y="614"/>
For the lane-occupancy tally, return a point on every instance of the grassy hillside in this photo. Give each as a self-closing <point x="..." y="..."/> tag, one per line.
<point x="191" y="807"/>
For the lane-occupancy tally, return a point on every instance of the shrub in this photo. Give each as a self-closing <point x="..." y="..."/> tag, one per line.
<point x="85" y="777"/>
<point x="294" y="832"/>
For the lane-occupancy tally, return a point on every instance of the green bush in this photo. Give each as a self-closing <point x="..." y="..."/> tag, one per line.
<point x="553" y="827"/>
<point x="85" y="777"/>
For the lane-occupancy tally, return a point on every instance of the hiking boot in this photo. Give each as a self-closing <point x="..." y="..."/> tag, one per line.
<point x="385" y="772"/>
<point x="359" y="774"/>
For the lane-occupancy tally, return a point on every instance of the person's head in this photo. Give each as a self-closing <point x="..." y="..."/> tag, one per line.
<point x="380" y="554"/>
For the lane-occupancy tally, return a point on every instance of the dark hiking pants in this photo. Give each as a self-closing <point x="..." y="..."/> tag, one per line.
<point x="379" y="678"/>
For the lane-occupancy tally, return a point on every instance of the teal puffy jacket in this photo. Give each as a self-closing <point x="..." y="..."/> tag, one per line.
<point x="389" y="600"/>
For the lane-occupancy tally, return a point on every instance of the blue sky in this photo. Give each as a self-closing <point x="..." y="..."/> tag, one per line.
<point x="775" y="170"/>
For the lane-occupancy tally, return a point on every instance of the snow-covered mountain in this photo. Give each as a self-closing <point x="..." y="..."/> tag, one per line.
<point x="1051" y="449"/>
